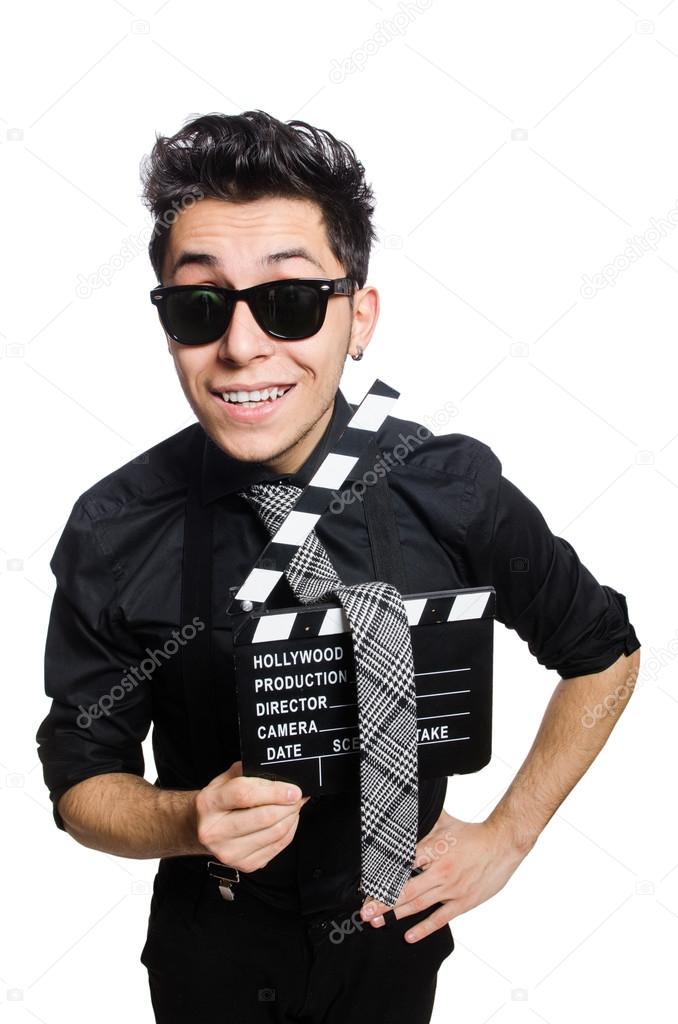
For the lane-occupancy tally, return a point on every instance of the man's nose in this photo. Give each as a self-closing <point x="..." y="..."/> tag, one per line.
<point x="244" y="339"/>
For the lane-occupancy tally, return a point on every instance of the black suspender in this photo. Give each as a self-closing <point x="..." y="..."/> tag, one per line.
<point x="200" y="675"/>
<point x="382" y="529"/>
<point x="197" y="668"/>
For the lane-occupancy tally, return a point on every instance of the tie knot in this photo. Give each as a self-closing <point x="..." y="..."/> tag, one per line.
<point x="272" y="502"/>
<point x="277" y="487"/>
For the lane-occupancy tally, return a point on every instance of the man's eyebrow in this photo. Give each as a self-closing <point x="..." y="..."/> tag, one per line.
<point x="290" y="254"/>
<point x="206" y="259"/>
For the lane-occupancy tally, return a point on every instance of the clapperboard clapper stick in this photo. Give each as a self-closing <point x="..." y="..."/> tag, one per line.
<point x="294" y="667"/>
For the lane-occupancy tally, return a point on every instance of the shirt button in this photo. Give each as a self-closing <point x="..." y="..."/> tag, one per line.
<point x="246" y="606"/>
<point x="317" y="872"/>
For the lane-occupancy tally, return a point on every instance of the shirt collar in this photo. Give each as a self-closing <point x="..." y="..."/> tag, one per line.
<point x="222" y="474"/>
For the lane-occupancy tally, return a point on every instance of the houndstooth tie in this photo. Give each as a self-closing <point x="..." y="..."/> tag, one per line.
<point x="389" y="799"/>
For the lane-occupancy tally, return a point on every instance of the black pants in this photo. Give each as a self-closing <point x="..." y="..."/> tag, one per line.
<point x="242" y="962"/>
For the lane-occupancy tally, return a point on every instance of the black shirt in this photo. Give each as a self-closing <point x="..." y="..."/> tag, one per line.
<point x="118" y="571"/>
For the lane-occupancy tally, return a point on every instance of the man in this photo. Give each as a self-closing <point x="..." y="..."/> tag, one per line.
<point x="242" y="201"/>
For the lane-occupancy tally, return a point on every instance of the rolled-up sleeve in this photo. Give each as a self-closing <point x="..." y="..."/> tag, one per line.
<point x="570" y="621"/>
<point x="101" y="706"/>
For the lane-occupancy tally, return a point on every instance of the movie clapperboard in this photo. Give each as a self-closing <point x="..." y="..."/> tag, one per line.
<point x="295" y="671"/>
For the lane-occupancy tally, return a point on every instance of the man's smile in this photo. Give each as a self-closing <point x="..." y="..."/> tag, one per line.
<point x="249" y="403"/>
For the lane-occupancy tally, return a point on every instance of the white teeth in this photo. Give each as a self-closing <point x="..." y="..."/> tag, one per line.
<point x="250" y="397"/>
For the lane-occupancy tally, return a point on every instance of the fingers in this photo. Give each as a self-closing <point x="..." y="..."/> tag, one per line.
<point x="416" y="895"/>
<point x="255" y="820"/>
<point x="260" y="847"/>
<point x="247" y="820"/>
<point x="232" y="791"/>
<point x="440" y="917"/>
<point x="372" y="909"/>
<point x="254" y="850"/>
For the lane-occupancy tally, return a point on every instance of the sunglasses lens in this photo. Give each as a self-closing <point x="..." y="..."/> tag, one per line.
<point x="196" y="316"/>
<point x="290" y="311"/>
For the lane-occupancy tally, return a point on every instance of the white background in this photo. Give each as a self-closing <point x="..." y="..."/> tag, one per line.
<point x="513" y="149"/>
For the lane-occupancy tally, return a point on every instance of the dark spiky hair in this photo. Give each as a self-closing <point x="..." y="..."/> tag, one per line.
<point x="243" y="157"/>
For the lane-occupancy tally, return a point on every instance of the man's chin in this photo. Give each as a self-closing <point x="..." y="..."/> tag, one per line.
<point x="244" y="449"/>
<point x="245" y="452"/>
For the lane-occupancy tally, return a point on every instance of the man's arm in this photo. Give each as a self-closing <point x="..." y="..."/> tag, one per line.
<point x="577" y="722"/>
<point x="241" y="820"/>
<point x="480" y="857"/>
<point x="125" y="815"/>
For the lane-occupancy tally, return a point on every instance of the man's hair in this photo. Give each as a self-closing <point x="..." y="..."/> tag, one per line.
<point x="248" y="156"/>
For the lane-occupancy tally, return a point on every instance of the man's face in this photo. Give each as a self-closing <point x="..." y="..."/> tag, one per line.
<point x="233" y="245"/>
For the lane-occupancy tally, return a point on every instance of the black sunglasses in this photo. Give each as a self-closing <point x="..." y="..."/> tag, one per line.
<point x="288" y="310"/>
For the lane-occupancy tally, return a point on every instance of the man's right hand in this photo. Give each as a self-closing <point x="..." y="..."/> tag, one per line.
<point x="244" y="820"/>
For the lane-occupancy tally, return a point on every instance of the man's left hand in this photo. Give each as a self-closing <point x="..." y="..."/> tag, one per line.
<point x="464" y="863"/>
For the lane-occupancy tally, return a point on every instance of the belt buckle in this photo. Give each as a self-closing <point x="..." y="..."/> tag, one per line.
<point x="226" y="876"/>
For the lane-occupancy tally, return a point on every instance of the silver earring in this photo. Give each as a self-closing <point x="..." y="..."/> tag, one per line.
<point x="359" y="355"/>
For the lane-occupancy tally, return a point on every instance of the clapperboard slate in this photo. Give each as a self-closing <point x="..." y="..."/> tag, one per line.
<point x="294" y="667"/>
<point x="297" y="690"/>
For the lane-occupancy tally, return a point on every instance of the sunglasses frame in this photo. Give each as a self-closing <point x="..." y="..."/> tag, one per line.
<point x="325" y="287"/>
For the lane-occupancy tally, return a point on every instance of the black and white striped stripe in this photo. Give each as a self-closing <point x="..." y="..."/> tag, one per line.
<point x="447" y="606"/>
<point x="331" y="475"/>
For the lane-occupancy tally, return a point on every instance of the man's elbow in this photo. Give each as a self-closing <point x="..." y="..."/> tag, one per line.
<point x="81" y="806"/>
<point x="66" y="809"/>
